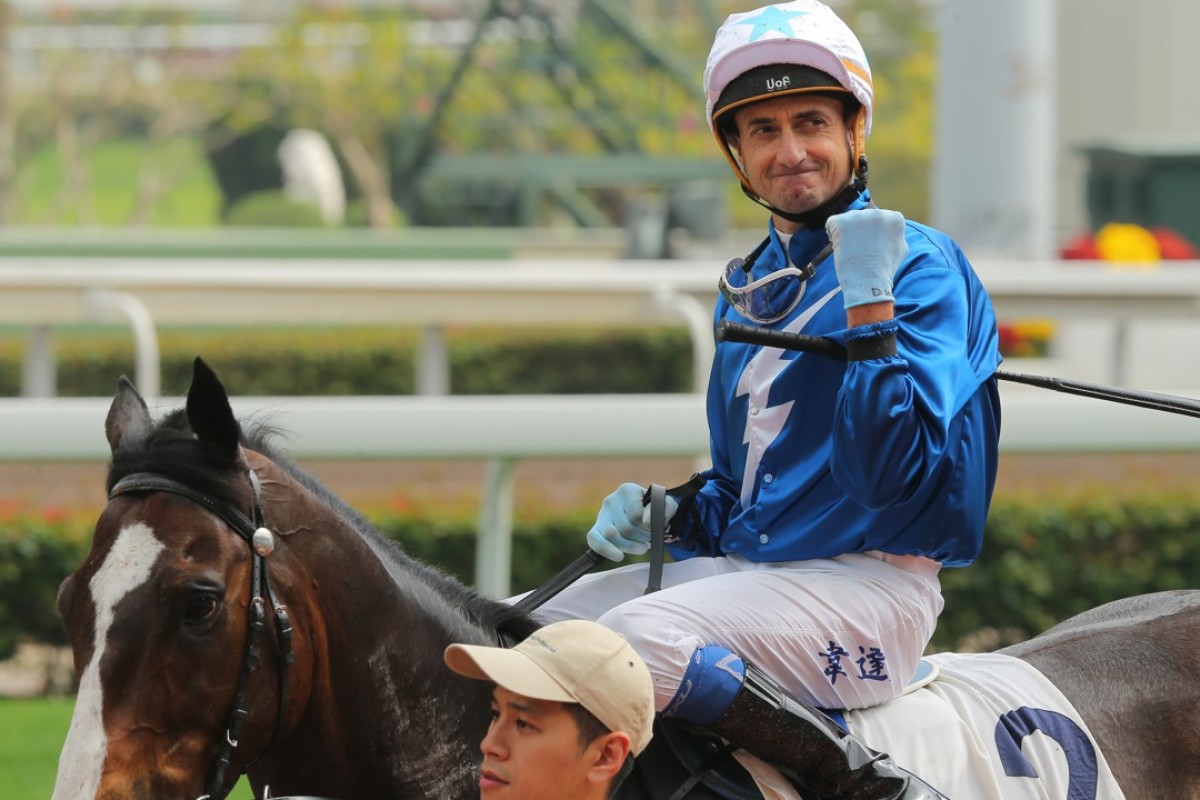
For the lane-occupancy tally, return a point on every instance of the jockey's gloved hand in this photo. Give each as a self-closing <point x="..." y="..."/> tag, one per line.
<point x="868" y="247"/>
<point x="623" y="524"/>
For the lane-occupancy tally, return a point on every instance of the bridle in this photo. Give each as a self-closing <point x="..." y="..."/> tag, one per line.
<point x="262" y="542"/>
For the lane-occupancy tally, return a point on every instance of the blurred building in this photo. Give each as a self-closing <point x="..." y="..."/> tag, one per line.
<point x="1126" y="76"/>
<point x="1057" y="117"/>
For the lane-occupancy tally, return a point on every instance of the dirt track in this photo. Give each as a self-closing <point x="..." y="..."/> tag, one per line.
<point x="552" y="486"/>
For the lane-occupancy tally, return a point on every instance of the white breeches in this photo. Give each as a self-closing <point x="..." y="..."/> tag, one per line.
<point x="844" y="632"/>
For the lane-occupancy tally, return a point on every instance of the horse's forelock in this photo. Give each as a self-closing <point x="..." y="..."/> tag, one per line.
<point x="172" y="449"/>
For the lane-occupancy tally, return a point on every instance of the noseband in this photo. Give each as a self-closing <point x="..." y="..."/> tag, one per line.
<point x="262" y="543"/>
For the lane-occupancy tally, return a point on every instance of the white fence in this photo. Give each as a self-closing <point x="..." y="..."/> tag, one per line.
<point x="409" y="293"/>
<point x="506" y="429"/>
<point x="42" y="292"/>
<point x="502" y="429"/>
<point x="515" y="427"/>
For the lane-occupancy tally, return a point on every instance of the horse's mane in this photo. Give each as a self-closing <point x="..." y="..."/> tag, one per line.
<point x="173" y="450"/>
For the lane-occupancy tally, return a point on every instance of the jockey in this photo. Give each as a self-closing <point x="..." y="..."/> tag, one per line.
<point x="805" y="570"/>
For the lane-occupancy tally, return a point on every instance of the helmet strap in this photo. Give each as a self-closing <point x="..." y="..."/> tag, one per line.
<point x="815" y="218"/>
<point x="858" y="140"/>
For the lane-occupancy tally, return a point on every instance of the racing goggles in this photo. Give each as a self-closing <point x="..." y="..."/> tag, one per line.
<point x="768" y="299"/>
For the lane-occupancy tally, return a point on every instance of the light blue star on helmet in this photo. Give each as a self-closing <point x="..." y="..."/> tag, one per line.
<point x="774" y="19"/>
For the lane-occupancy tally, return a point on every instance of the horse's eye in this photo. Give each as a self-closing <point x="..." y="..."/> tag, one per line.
<point x="201" y="606"/>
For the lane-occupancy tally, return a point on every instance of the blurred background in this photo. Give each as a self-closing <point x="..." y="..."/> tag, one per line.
<point x="586" y="113"/>
<point x="377" y="219"/>
<point x="436" y="113"/>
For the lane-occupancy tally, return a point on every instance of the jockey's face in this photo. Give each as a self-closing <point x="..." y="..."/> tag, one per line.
<point x="795" y="151"/>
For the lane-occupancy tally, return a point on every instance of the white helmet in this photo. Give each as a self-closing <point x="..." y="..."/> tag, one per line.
<point x="788" y="48"/>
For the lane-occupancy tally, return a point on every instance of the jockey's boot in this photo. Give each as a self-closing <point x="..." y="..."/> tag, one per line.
<point x="827" y="762"/>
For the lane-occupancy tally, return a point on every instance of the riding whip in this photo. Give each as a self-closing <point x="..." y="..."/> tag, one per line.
<point x="739" y="332"/>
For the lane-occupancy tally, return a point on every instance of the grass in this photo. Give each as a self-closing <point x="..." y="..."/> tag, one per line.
<point x="40" y="196"/>
<point x="32" y="732"/>
<point x="31" y="735"/>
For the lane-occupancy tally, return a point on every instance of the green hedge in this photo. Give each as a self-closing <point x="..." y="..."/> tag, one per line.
<point x="273" y="209"/>
<point x="369" y="361"/>
<point x="36" y="553"/>
<point x="1042" y="563"/>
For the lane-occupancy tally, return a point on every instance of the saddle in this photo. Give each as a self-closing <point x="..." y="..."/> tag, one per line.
<point x="683" y="762"/>
<point x="686" y="762"/>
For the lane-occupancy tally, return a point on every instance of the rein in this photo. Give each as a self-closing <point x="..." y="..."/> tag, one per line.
<point x="656" y="499"/>
<point x="261" y="540"/>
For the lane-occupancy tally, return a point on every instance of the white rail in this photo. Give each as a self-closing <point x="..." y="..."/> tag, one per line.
<point x="505" y="429"/>
<point x="43" y="292"/>
<point x="407" y="293"/>
<point x="559" y="426"/>
<point x="537" y="292"/>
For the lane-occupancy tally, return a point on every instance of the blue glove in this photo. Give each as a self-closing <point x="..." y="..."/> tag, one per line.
<point x="868" y="247"/>
<point x="623" y="524"/>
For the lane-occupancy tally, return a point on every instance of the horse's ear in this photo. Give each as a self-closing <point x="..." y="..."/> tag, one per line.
<point x="128" y="419"/>
<point x="208" y="409"/>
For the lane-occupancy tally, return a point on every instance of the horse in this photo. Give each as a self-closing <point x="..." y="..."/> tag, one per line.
<point x="233" y="616"/>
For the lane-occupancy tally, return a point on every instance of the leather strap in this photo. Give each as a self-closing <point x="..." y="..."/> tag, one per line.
<point x="871" y="347"/>
<point x="658" y="535"/>
<point x="657" y="500"/>
<point x="571" y="573"/>
<point x="701" y="772"/>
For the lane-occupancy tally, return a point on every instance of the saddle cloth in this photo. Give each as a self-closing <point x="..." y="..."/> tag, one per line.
<point x="989" y="727"/>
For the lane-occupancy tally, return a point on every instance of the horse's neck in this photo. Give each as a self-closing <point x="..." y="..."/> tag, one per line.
<point x="380" y="687"/>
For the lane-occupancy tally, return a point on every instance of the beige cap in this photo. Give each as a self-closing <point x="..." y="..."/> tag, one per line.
<point x="575" y="661"/>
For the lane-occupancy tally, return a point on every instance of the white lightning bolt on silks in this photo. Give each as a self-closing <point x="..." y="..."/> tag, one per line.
<point x="763" y="422"/>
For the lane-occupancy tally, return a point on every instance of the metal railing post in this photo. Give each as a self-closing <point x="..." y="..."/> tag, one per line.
<point x="100" y="302"/>
<point x="493" y="554"/>
<point x="38" y="378"/>
<point x="433" y="362"/>
<point x="699" y="320"/>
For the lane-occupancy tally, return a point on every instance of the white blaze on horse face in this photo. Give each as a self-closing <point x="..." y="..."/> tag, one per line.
<point x="126" y="567"/>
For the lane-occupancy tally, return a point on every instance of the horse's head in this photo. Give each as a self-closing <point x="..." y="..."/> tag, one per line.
<point x="234" y="616"/>
<point x="172" y="608"/>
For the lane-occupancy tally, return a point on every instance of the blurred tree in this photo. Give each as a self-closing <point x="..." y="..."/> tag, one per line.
<point x="77" y="100"/>
<point x="900" y="41"/>
<point x="82" y="94"/>
<point x="349" y="73"/>
<point x="171" y="103"/>
<point x="396" y="88"/>
<point x="8" y="123"/>
<point x="523" y="77"/>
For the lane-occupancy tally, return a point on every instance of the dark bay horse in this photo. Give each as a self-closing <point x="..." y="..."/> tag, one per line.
<point x="233" y="616"/>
